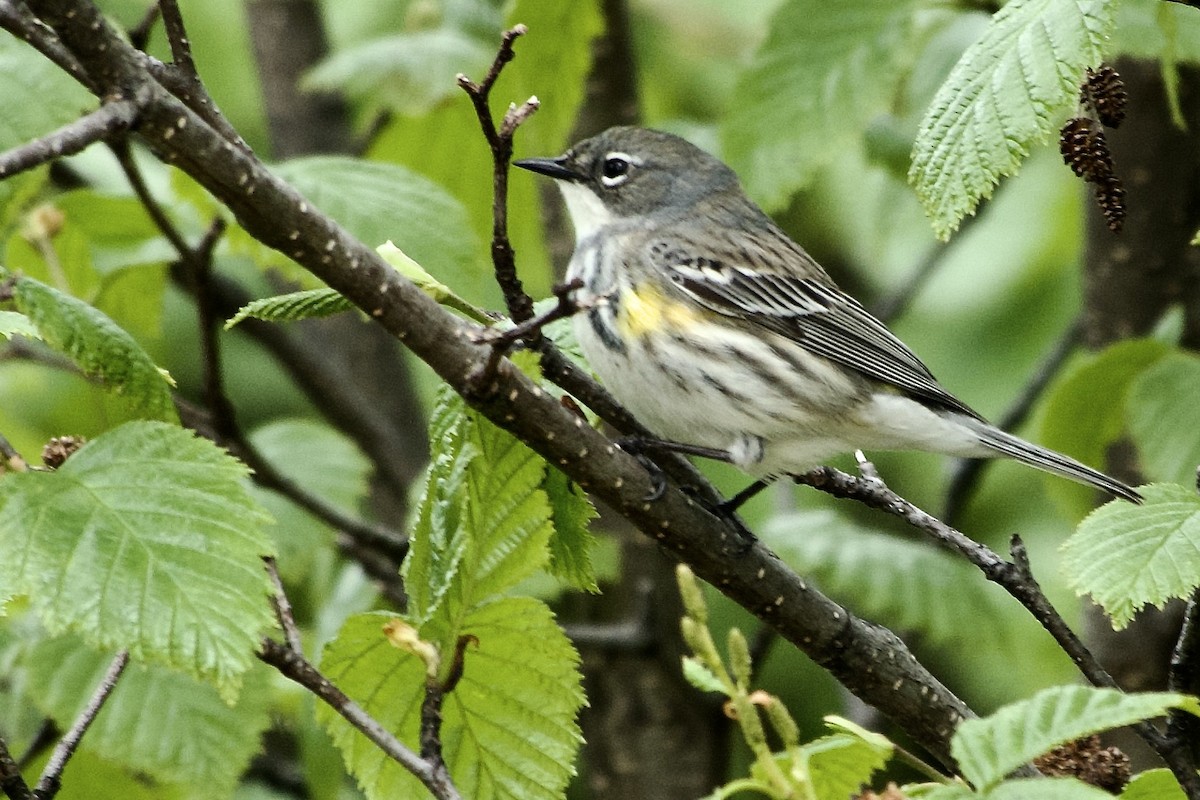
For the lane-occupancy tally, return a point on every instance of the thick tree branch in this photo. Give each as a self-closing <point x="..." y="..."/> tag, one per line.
<point x="1017" y="579"/>
<point x="194" y="269"/>
<point x="293" y="666"/>
<point x="193" y="95"/>
<point x="50" y="781"/>
<point x="277" y="215"/>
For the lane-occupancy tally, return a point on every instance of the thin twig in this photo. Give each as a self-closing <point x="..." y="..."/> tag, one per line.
<point x="13" y="460"/>
<point x="378" y="124"/>
<point x="223" y="419"/>
<point x="502" y="340"/>
<point x="181" y="46"/>
<point x="519" y="304"/>
<point x="556" y="367"/>
<point x="139" y="35"/>
<point x="431" y="709"/>
<point x="11" y="782"/>
<point x="277" y="215"/>
<point x="895" y="304"/>
<point x="383" y="541"/>
<point x="50" y="781"/>
<point x="1017" y="579"/>
<point x="191" y="92"/>
<point x="107" y="121"/>
<point x="1184" y="674"/>
<point x="967" y="472"/>
<point x="283" y="607"/>
<point x="431" y="729"/>
<point x="124" y="155"/>
<point x="633" y="634"/>
<point x="479" y="91"/>
<point x="47" y="734"/>
<point x="293" y="666"/>
<point x="565" y="308"/>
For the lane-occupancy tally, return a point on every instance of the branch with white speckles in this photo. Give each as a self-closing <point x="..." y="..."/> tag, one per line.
<point x="869" y="660"/>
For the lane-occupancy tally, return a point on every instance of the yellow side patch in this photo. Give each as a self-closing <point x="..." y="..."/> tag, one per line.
<point x="645" y="309"/>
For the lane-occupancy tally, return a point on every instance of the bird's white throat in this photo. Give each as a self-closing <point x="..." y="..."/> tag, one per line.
<point x="588" y="212"/>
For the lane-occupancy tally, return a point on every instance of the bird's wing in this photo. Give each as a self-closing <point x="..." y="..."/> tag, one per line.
<point x="813" y="313"/>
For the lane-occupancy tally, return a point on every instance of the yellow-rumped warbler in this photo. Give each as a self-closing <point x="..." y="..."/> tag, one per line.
<point x="718" y="331"/>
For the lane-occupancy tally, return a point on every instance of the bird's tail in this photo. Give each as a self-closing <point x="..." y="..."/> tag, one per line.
<point x="1005" y="444"/>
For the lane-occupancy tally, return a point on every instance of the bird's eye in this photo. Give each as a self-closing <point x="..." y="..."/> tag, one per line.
<point x="615" y="169"/>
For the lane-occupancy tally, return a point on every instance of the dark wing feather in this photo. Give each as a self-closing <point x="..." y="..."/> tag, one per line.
<point x="813" y="313"/>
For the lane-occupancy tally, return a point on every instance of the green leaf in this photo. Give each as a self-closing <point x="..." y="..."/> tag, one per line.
<point x="953" y="791"/>
<point x="904" y="584"/>
<point x="838" y="765"/>
<point x="873" y="738"/>
<point x="1086" y="410"/>
<point x="483" y="522"/>
<point x="406" y="72"/>
<point x="508" y="728"/>
<point x="1047" y="789"/>
<point x="119" y="232"/>
<point x="97" y="345"/>
<point x="1153" y="784"/>
<point x="207" y="744"/>
<point x="1020" y="789"/>
<point x="507" y="513"/>
<point x="38" y="96"/>
<point x="17" y="194"/>
<point x="1128" y="556"/>
<point x="14" y="323"/>
<point x="430" y="285"/>
<point x="293" y="306"/>
<point x="700" y="676"/>
<point x="102" y="249"/>
<point x="1007" y="92"/>
<point x="1145" y="28"/>
<point x="572" y="542"/>
<point x="988" y="749"/>
<point x="438" y="540"/>
<point x="323" y="461"/>
<point x="1165" y="420"/>
<point x="823" y="72"/>
<point x="380" y="202"/>
<point x="89" y="777"/>
<point x="145" y="539"/>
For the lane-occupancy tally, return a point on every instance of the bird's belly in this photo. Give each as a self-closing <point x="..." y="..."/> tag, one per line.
<point x="718" y="389"/>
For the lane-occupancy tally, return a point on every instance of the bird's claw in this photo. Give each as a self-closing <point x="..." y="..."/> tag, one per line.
<point x="636" y="447"/>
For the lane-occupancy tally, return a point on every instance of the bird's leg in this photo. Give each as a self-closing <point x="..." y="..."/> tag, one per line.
<point x="730" y="506"/>
<point x="638" y="446"/>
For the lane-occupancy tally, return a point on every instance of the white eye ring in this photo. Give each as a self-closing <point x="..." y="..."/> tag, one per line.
<point x="615" y="168"/>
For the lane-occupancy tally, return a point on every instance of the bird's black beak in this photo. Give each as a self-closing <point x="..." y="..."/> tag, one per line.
<point x="557" y="168"/>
